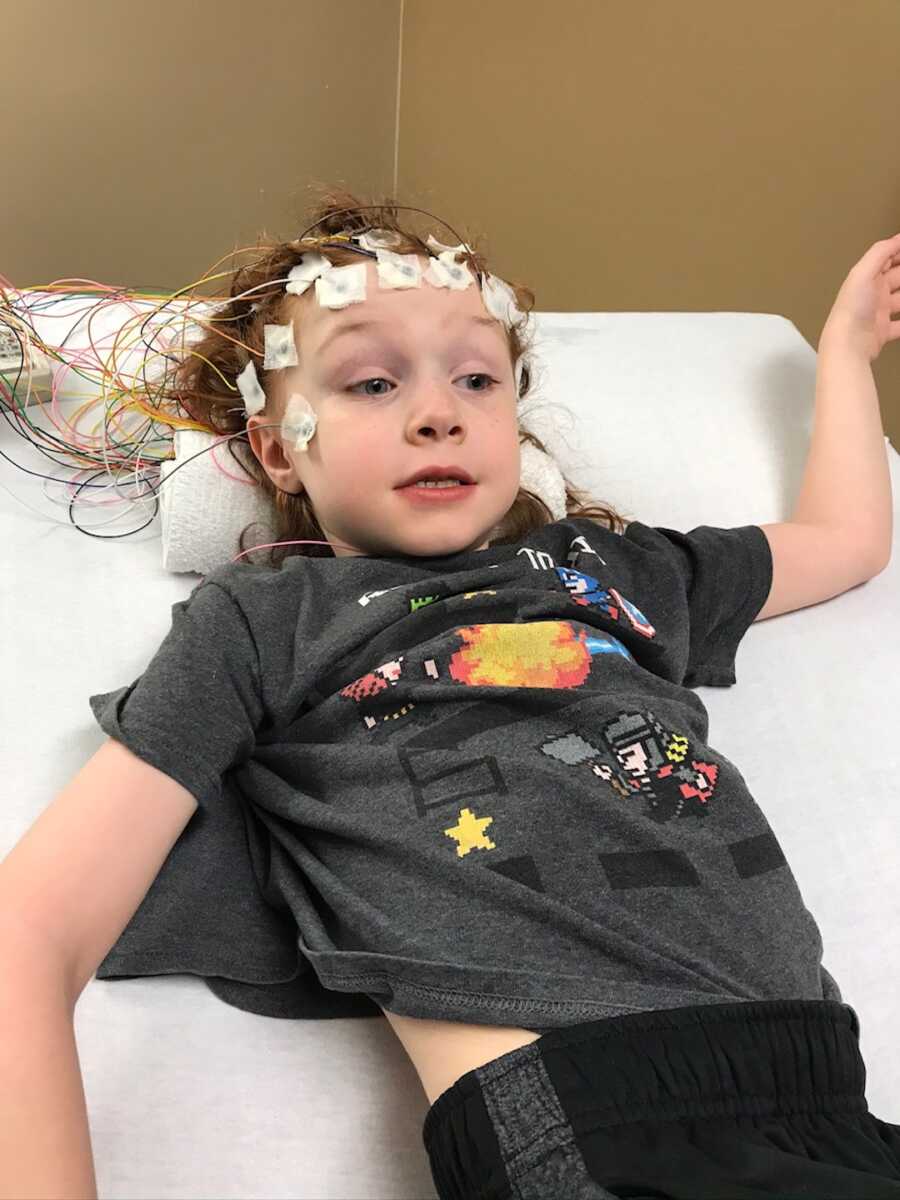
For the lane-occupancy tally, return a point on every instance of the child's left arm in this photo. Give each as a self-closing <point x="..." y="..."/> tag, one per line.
<point x="841" y="529"/>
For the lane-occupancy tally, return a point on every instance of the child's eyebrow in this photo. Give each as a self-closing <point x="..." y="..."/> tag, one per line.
<point x="353" y="326"/>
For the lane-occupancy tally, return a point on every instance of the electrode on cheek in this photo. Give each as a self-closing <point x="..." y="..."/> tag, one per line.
<point x="298" y="425"/>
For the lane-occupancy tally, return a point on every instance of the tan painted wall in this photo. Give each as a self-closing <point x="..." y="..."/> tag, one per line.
<point x="692" y="155"/>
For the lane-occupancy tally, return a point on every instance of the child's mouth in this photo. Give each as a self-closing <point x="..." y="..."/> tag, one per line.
<point x="437" y="495"/>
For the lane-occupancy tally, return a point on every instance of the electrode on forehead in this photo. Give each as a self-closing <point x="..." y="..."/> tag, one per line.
<point x="298" y="425"/>
<point x="342" y="286"/>
<point x="445" y="271"/>
<point x="398" y="270"/>
<point x="281" y="351"/>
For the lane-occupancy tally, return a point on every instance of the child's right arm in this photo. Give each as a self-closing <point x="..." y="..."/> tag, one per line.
<point x="67" y="890"/>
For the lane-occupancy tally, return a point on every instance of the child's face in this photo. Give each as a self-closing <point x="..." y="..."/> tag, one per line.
<point x="425" y="410"/>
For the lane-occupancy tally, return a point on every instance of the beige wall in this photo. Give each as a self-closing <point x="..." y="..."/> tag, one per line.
<point x="663" y="156"/>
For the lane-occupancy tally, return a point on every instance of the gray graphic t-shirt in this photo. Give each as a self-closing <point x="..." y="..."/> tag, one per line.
<point x="473" y="788"/>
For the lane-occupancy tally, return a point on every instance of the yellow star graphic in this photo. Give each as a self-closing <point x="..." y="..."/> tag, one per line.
<point x="470" y="833"/>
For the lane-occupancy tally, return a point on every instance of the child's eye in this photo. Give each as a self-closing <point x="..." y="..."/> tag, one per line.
<point x="472" y="375"/>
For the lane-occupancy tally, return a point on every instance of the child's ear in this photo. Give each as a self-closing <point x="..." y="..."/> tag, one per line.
<point x="269" y="449"/>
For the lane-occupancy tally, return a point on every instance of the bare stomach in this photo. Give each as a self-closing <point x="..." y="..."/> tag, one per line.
<point x="442" y="1051"/>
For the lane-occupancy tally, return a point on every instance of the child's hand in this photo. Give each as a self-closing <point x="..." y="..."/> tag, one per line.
<point x="861" y="314"/>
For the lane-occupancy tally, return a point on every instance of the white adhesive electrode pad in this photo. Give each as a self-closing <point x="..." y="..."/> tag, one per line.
<point x="248" y="386"/>
<point x="398" y="270"/>
<point x="341" y="286"/>
<point x="281" y="350"/>
<point x="298" y="425"/>
<point x="310" y="267"/>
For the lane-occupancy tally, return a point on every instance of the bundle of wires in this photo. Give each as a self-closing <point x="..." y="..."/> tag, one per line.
<point x="140" y="415"/>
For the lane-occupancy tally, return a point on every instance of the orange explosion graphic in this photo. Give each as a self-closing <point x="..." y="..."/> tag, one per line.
<point x="539" y="654"/>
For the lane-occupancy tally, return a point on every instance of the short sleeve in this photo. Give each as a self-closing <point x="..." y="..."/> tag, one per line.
<point x="195" y="710"/>
<point x="727" y="576"/>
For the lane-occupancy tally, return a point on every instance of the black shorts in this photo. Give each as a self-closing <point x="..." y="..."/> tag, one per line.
<point x="712" y="1102"/>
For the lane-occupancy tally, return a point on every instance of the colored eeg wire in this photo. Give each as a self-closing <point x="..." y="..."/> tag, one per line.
<point x="7" y="406"/>
<point x="24" y="331"/>
<point x="21" y="414"/>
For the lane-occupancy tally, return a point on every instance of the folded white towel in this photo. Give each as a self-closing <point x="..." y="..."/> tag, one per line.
<point x="203" y="511"/>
